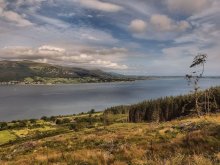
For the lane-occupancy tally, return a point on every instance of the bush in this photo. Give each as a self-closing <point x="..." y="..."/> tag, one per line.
<point x="63" y="121"/>
<point x="88" y="119"/>
<point x="74" y="127"/>
<point x="53" y="118"/>
<point x="3" y="125"/>
<point x="45" y="118"/>
<point x="91" y="111"/>
<point x="78" y="126"/>
<point x="33" y="121"/>
<point x="66" y="121"/>
<point x="22" y="124"/>
<point x="58" y="121"/>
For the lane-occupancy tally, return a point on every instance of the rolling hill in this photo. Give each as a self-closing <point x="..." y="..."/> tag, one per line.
<point x="33" y="72"/>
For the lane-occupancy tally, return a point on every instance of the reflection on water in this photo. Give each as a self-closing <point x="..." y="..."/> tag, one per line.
<point x="21" y="102"/>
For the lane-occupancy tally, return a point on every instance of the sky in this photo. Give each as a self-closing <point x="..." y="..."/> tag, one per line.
<point x="135" y="37"/>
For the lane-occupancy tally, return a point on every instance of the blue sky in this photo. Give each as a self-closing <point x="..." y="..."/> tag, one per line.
<point x="144" y="37"/>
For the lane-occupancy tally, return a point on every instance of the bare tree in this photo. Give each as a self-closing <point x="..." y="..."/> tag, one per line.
<point x="198" y="66"/>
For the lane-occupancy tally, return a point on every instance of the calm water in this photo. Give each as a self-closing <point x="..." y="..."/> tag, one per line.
<point x="22" y="102"/>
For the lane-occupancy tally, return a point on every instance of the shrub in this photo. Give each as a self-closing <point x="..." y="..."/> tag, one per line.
<point x="53" y="118"/>
<point x="3" y="125"/>
<point x="63" y="121"/>
<point x="58" y="121"/>
<point x="33" y="121"/>
<point x="45" y="118"/>
<point x="66" y="120"/>
<point x="91" y="111"/>
<point x="74" y="127"/>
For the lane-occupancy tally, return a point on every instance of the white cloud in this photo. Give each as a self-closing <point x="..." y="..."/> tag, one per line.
<point x="204" y="34"/>
<point x="183" y="25"/>
<point x="108" y="64"/>
<point x="66" y="14"/>
<point x="2" y="6"/>
<point x="81" y="58"/>
<point x="188" y="7"/>
<point x="95" y="35"/>
<point x="98" y="5"/>
<point x="210" y="14"/>
<point x="12" y="17"/>
<point x="161" y="22"/>
<point x="138" y="26"/>
<point x="51" y="48"/>
<point x="42" y="60"/>
<point x="161" y="26"/>
<point x="164" y="23"/>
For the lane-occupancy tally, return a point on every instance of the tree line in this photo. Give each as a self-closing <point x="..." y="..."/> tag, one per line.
<point x="168" y="108"/>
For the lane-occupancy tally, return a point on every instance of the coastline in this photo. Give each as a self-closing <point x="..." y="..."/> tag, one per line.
<point x="52" y="84"/>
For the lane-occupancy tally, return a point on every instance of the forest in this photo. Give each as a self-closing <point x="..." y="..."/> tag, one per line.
<point x="168" y="108"/>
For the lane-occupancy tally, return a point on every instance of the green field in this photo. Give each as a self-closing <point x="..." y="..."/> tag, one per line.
<point x="6" y="136"/>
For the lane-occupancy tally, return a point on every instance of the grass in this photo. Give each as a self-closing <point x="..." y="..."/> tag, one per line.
<point x="26" y="131"/>
<point x="188" y="140"/>
<point x="6" y="136"/>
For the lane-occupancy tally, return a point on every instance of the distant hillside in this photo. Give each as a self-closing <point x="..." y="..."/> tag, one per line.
<point x="29" y="72"/>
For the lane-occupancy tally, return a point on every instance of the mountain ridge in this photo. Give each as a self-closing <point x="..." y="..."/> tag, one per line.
<point x="29" y="72"/>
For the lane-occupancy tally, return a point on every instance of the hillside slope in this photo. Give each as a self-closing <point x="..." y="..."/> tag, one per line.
<point x="184" y="141"/>
<point x="32" y="71"/>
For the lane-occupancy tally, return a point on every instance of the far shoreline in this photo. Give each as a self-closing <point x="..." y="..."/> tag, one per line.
<point x="77" y="83"/>
<point x="103" y="82"/>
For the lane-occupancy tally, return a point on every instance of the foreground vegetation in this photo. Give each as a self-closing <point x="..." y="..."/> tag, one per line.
<point x="97" y="138"/>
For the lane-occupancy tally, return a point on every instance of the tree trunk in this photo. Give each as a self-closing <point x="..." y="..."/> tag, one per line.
<point x="197" y="103"/>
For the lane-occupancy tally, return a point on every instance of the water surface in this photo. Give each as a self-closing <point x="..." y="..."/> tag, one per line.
<point x="32" y="101"/>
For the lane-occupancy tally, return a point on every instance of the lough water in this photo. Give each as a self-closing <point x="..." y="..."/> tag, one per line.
<point x="35" y="101"/>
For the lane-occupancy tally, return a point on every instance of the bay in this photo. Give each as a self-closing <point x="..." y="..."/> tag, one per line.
<point x="34" y="101"/>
